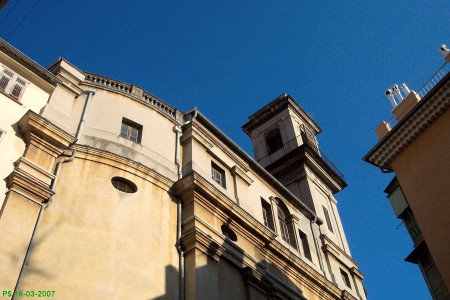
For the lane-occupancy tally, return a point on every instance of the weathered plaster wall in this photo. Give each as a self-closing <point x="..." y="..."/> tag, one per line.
<point x="96" y="242"/>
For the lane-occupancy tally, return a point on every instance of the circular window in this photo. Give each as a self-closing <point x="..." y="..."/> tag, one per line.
<point x="228" y="233"/>
<point x="123" y="185"/>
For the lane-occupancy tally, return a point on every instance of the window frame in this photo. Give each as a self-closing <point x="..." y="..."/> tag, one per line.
<point x="345" y="278"/>
<point x="228" y="233"/>
<point x="328" y="219"/>
<point x="287" y="228"/>
<point x="267" y="214"/>
<point x="216" y="170"/>
<point x="14" y="81"/>
<point x="305" y="245"/>
<point x="274" y="140"/>
<point x="284" y="231"/>
<point x="130" y="126"/>
<point x="124" y="185"/>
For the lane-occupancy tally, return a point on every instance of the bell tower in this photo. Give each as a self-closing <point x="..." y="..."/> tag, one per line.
<point x="285" y="144"/>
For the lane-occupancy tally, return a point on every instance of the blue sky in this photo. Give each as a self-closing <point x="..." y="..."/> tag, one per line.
<point x="229" y="58"/>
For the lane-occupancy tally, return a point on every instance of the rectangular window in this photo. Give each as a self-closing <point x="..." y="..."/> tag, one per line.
<point x="131" y="130"/>
<point x="327" y="217"/>
<point x="11" y="84"/>
<point x="432" y="276"/>
<point x="345" y="278"/>
<point x="305" y="245"/>
<point x="267" y="215"/>
<point x="217" y="174"/>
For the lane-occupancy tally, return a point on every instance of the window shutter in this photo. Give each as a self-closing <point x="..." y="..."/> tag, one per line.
<point x="18" y="88"/>
<point x="5" y="78"/>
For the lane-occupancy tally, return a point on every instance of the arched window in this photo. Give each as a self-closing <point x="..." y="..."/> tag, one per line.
<point x="286" y="226"/>
<point x="283" y="224"/>
<point x="273" y="140"/>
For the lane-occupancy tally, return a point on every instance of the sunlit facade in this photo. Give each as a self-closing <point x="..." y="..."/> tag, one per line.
<point x="111" y="193"/>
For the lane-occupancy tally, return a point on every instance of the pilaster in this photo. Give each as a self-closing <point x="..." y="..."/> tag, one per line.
<point x="29" y="187"/>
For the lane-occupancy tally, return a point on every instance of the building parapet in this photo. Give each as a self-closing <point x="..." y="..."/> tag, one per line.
<point x="133" y="91"/>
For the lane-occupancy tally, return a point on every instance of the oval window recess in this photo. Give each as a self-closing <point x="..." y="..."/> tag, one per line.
<point x="123" y="185"/>
<point x="228" y="233"/>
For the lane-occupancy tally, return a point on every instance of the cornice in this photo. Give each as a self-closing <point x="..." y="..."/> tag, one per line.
<point x="28" y="187"/>
<point x="196" y="239"/>
<point x="209" y="139"/>
<point x="191" y="133"/>
<point x="194" y="183"/>
<point x="355" y="271"/>
<point x="277" y="105"/>
<point x="336" y="251"/>
<point x="36" y="128"/>
<point x="256" y="167"/>
<point x="236" y="171"/>
<point x="133" y="92"/>
<point x="280" y="254"/>
<point x="434" y="104"/>
<point x="315" y="163"/>
<point x="347" y="296"/>
<point x="195" y="188"/>
<point x="117" y="161"/>
<point x="31" y="170"/>
<point x="30" y="64"/>
<point x="214" y="245"/>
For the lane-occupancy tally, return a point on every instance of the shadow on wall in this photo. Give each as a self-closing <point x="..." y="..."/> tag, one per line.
<point x="225" y="276"/>
<point x="171" y="285"/>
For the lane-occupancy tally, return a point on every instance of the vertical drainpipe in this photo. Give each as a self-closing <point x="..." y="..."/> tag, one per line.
<point x="38" y="223"/>
<point x="177" y="130"/>
<point x="316" y="244"/>
<point x="90" y="91"/>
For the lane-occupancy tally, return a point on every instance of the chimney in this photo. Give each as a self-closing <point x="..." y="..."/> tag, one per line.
<point x="445" y="51"/>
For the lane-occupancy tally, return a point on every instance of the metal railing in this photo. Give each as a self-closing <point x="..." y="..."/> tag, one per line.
<point x="444" y="70"/>
<point x="434" y="80"/>
<point x="294" y="144"/>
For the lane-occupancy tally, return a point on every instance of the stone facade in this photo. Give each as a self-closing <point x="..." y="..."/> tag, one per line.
<point x="113" y="194"/>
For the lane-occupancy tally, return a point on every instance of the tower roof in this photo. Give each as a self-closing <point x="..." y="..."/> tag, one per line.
<point x="278" y="104"/>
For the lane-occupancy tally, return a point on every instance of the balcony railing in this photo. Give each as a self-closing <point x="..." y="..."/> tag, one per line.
<point x="434" y="80"/>
<point x="294" y="144"/>
<point x="444" y="70"/>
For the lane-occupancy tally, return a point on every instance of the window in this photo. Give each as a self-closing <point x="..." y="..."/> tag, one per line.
<point x="327" y="217"/>
<point x="11" y="84"/>
<point x="283" y="225"/>
<point x="432" y="276"/>
<point x="228" y="233"/>
<point x="217" y="174"/>
<point x="267" y="215"/>
<point x="305" y="245"/>
<point x="345" y="278"/>
<point x="131" y="130"/>
<point x="123" y="185"/>
<point x="286" y="228"/>
<point x="273" y="140"/>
